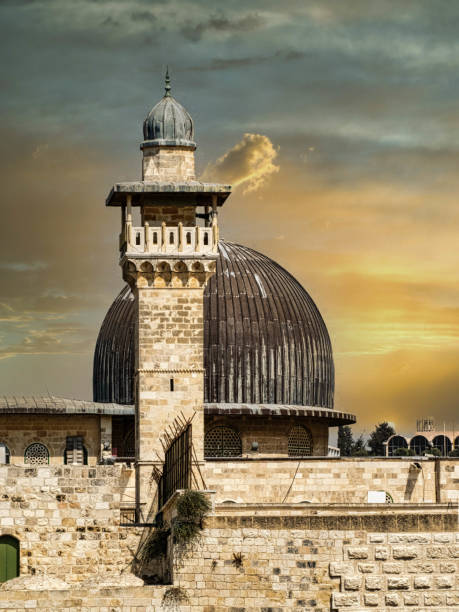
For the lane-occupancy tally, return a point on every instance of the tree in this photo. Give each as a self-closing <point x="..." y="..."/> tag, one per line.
<point x="345" y="440"/>
<point x="382" y="432"/>
<point x="359" y="447"/>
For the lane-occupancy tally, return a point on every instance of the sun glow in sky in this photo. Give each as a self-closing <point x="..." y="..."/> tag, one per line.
<point x="338" y="124"/>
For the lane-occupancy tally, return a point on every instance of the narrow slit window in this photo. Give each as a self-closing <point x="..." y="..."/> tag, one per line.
<point x="137" y="238"/>
<point x="188" y="237"/>
<point x="155" y="237"/>
<point x="206" y="239"/>
<point x="171" y="238"/>
<point x="171" y="384"/>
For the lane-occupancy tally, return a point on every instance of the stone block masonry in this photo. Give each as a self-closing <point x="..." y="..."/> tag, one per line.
<point x="67" y="520"/>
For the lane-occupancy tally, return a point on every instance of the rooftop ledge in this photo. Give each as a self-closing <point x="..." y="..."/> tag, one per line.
<point x="334" y="417"/>
<point x="190" y="192"/>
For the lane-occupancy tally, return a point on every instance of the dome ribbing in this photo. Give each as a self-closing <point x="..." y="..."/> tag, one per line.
<point x="265" y="341"/>
<point x="168" y="123"/>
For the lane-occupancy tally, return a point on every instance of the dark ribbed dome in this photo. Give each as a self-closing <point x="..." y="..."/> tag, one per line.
<point x="168" y="123"/>
<point x="264" y="339"/>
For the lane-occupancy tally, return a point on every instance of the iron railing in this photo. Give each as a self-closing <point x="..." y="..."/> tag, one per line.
<point x="177" y="467"/>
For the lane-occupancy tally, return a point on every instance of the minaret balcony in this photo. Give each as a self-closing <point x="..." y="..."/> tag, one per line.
<point x="175" y="240"/>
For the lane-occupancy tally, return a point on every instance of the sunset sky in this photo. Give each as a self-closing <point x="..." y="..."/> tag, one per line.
<point x="336" y="121"/>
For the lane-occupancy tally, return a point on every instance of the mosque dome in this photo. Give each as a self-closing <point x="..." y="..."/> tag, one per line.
<point x="265" y="341"/>
<point x="168" y="123"/>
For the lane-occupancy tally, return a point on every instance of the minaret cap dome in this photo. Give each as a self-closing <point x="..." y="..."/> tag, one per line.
<point x="168" y="123"/>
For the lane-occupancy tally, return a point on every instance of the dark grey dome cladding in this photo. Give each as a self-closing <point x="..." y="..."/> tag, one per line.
<point x="264" y="339"/>
<point x="114" y="356"/>
<point x="168" y="122"/>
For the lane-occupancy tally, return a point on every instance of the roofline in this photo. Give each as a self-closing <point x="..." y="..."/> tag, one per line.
<point x="60" y="405"/>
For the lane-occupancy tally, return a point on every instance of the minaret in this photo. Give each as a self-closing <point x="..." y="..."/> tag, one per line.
<point x="167" y="261"/>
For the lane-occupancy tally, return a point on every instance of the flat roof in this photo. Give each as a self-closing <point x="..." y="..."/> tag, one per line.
<point x="185" y="193"/>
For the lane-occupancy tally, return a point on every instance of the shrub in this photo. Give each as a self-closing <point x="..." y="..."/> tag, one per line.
<point x="156" y="545"/>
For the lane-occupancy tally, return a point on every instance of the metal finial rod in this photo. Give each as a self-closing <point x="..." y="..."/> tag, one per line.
<point x="168" y="82"/>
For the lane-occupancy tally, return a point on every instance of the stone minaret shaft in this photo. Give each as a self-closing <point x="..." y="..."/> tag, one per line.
<point x="167" y="261"/>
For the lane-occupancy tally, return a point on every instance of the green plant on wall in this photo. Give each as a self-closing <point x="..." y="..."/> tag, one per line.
<point x="192" y="508"/>
<point x="174" y="598"/>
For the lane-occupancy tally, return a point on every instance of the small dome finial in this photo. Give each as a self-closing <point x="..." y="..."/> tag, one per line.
<point x="168" y="83"/>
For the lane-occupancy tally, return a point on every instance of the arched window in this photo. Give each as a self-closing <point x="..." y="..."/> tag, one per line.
<point x="9" y="558"/>
<point x="443" y="444"/>
<point x="419" y="444"/>
<point x="222" y="441"/>
<point x="7" y="452"/>
<point x="395" y="443"/>
<point x="36" y="454"/>
<point x="299" y="442"/>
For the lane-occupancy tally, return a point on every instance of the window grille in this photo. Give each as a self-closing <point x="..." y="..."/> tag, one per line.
<point x="75" y="452"/>
<point x="299" y="442"/>
<point x="36" y="454"/>
<point x="222" y="442"/>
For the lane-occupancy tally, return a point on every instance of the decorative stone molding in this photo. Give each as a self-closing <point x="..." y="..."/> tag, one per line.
<point x="167" y="273"/>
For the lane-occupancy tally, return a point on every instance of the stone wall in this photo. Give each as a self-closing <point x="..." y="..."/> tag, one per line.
<point x="341" y="561"/>
<point x="272" y="433"/>
<point x="66" y="520"/>
<point x="168" y="164"/>
<point x="340" y="480"/>
<point x="18" y="431"/>
<point x="170" y="376"/>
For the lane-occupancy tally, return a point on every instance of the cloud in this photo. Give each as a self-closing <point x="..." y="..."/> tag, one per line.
<point x="250" y="163"/>
<point x="57" y="340"/>
<point x="219" y="22"/>
<point x="19" y="266"/>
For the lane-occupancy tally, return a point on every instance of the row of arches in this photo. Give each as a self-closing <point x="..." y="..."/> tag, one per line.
<point x="224" y="441"/>
<point x="38" y="453"/>
<point x="420" y="445"/>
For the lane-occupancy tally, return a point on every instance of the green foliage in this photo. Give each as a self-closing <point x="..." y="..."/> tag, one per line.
<point x="175" y="597"/>
<point x="358" y="448"/>
<point x="404" y="452"/>
<point x="345" y="440"/>
<point x="156" y="545"/>
<point x="192" y="508"/>
<point x="436" y="452"/>
<point x="454" y="452"/>
<point x="382" y="432"/>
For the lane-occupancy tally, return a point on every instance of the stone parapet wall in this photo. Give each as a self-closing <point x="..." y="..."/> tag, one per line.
<point x="126" y="599"/>
<point x="340" y="480"/>
<point x="66" y="520"/>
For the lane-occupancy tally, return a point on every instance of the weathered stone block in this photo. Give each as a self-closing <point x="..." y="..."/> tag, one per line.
<point x="357" y="553"/>
<point x="398" y="582"/>
<point x="422" y="582"/>
<point x="374" y="583"/>
<point x="404" y="552"/>
<point x="352" y="583"/>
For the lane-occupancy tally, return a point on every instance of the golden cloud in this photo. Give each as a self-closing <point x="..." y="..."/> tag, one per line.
<point x="250" y="163"/>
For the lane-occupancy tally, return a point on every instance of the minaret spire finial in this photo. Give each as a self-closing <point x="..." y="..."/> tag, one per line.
<point x="168" y="83"/>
